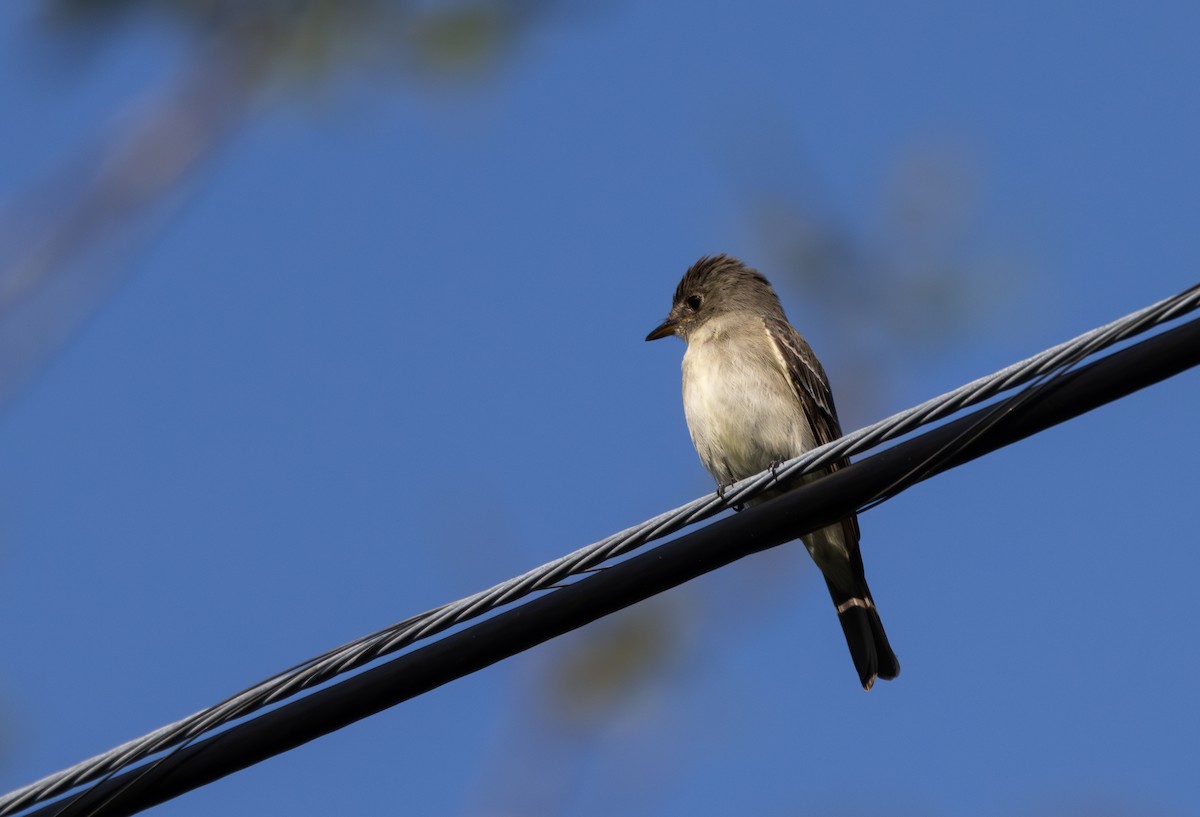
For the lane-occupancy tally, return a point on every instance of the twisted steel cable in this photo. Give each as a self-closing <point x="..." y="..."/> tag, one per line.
<point x="362" y="651"/>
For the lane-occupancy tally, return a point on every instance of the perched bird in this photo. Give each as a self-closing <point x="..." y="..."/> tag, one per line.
<point x="755" y="395"/>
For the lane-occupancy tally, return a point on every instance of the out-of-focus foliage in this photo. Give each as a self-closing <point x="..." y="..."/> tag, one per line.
<point x="311" y="39"/>
<point x="64" y="243"/>
<point x="604" y="665"/>
<point x="904" y="285"/>
<point x="907" y="286"/>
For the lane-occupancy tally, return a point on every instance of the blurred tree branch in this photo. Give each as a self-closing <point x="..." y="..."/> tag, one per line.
<point x="60" y="242"/>
<point x="67" y="242"/>
<point x="911" y="285"/>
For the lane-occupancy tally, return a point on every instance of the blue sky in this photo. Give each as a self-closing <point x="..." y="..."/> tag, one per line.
<point x="385" y="348"/>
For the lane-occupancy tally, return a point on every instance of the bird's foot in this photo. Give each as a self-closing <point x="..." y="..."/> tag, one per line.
<point x="721" y="489"/>
<point x="774" y="468"/>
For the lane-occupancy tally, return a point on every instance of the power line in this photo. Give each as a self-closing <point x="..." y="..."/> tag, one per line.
<point x="211" y="757"/>
<point x="797" y="512"/>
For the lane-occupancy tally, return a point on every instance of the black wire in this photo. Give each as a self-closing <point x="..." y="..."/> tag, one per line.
<point x="1033" y="391"/>
<point x="990" y="417"/>
<point x="784" y="518"/>
<point x="362" y="651"/>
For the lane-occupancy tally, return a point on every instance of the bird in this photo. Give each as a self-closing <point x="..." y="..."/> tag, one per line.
<point x="755" y="395"/>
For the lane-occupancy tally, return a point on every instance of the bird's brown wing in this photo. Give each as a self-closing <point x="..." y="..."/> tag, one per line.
<point x="811" y="387"/>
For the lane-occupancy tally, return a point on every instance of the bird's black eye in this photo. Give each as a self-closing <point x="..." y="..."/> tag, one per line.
<point x="693" y="301"/>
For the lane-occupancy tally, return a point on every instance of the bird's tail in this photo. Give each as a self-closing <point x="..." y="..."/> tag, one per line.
<point x="873" y="656"/>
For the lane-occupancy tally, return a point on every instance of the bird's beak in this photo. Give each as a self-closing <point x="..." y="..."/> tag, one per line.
<point x="665" y="328"/>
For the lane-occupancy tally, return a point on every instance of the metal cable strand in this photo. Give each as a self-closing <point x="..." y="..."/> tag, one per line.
<point x="362" y="651"/>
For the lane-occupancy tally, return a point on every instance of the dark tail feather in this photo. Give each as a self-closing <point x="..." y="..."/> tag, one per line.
<point x="873" y="656"/>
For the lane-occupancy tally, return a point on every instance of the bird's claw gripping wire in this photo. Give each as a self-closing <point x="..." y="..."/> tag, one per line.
<point x="774" y="469"/>
<point x="721" y="489"/>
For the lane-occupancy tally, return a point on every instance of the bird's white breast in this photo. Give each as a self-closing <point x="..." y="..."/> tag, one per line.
<point x="741" y="410"/>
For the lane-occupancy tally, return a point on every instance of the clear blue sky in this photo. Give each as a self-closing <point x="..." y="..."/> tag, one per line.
<point x="385" y="349"/>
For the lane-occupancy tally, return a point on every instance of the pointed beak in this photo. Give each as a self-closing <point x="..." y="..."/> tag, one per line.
<point x="664" y="329"/>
